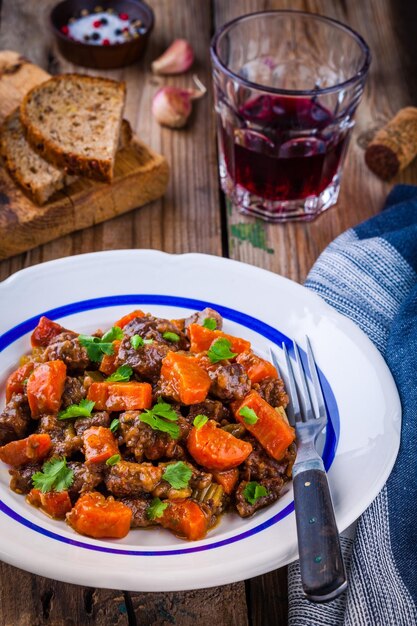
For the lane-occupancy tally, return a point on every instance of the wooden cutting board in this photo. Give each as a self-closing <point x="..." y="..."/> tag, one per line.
<point x="140" y="176"/>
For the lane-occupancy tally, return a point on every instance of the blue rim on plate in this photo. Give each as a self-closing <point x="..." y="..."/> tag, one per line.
<point x="267" y="331"/>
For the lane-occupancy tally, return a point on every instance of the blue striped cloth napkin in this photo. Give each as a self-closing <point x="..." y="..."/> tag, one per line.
<point x="369" y="274"/>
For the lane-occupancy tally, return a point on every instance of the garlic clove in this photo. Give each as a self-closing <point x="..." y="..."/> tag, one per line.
<point x="172" y="106"/>
<point x="178" y="58"/>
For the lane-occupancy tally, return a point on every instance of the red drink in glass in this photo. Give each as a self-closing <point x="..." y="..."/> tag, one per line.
<point x="283" y="127"/>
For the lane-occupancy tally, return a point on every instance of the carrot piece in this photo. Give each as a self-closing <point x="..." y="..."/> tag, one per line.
<point x="45" y="331"/>
<point x="45" y="387"/>
<point x="55" y="503"/>
<point x="99" y="444"/>
<point x="256" y="368"/>
<point x="187" y="381"/>
<point x="29" y="450"/>
<point x="96" y="516"/>
<point x="185" y="518"/>
<point x="201" y="339"/>
<point x="227" y="479"/>
<point x="124" y="321"/>
<point x="120" y="396"/>
<point x="271" y="430"/>
<point x="215" y="448"/>
<point x="16" y="379"/>
<point x="108" y="362"/>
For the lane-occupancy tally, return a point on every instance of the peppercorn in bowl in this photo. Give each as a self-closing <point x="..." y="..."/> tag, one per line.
<point x="102" y="35"/>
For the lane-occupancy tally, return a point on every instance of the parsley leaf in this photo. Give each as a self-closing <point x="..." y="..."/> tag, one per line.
<point x="92" y="345"/>
<point x="253" y="491"/>
<point x="157" y="423"/>
<point x="56" y="476"/>
<point x="157" y="418"/>
<point x="111" y="335"/>
<point x="137" y="342"/>
<point x="113" y="459"/>
<point x="114" y="425"/>
<point x="83" y="409"/>
<point x="156" y="508"/>
<point x="249" y="415"/>
<point x="97" y="346"/>
<point x="210" y="323"/>
<point x="121" y="375"/>
<point x="171" y="337"/>
<point x="220" y="350"/>
<point x="177" y="474"/>
<point x="200" y="420"/>
<point x="164" y="409"/>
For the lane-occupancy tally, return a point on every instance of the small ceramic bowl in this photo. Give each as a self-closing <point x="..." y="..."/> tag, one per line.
<point x="100" y="56"/>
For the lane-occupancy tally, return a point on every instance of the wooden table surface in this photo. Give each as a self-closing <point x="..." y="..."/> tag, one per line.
<point x="193" y="217"/>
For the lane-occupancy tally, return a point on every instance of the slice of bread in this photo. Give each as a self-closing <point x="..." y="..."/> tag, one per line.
<point x="73" y="121"/>
<point x="36" y="176"/>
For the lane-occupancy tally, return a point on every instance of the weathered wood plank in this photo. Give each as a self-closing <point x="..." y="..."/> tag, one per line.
<point x="27" y="600"/>
<point x="290" y="249"/>
<point x="225" y="606"/>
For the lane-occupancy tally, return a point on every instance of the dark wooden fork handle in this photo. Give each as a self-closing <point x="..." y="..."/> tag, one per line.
<point x="322" y="570"/>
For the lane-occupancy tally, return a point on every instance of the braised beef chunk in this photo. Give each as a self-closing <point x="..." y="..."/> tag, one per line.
<point x="14" y="419"/>
<point x="273" y="487"/>
<point x="229" y="382"/>
<point x="200" y="479"/>
<point x="259" y="465"/>
<point x="74" y="392"/>
<point x="272" y="391"/>
<point x="21" y="477"/>
<point x="67" y="348"/>
<point x="86" y="477"/>
<point x="213" y="409"/>
<point x="146" y="360"/>
<point x="143" y="442"/>
<point x="100" y="418"/>
<point x="65" y="440"/>
<point x="132" y="479"/>
<point x="139" y="506"/>
<point x="150" y="327"/>
<point x="201" y="316"/>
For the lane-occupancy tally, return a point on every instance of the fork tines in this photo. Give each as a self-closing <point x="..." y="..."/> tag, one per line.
<point x="304" y="409"/>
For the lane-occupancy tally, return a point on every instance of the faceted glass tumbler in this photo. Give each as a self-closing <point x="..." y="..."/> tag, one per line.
<point x="286" y="84"/>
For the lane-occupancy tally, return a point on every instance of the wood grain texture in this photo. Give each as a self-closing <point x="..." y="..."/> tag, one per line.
<point x="225" y="606"/>
<point x="188" y="219"/>
<point x="27" y="600"/>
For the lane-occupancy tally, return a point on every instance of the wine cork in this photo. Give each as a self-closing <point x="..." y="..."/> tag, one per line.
<point x="394" y="146"/>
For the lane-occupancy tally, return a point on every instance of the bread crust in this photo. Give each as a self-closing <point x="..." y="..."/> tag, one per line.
<point x="72" y="163"/>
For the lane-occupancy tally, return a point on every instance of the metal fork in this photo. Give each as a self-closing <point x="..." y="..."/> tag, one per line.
<point x="321" y="563"/>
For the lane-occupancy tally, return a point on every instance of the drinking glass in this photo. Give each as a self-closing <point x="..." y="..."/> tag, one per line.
<point x="287" y="84"/>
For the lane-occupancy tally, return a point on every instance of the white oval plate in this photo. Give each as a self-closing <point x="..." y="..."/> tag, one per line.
<point x="93" y="290"/>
